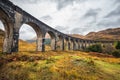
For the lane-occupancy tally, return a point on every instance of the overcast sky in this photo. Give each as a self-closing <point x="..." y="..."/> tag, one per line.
<point x="73" y="16"/>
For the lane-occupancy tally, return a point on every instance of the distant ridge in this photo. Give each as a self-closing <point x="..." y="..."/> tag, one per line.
<point x="108" y="34"/>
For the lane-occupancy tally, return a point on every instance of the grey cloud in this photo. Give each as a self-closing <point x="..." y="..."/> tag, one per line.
<point x="65" y="30"/>
<point x="117" y="2"/>
<point x="46" y="18"/>
<point x="79" y="30"/>
<point x="64" y="3"/>
<point x="26" y="28"/>
<point x="26" y="1"/>
<point x="109" y="23"/>
<point x="22" y="32"/>
<point x="61" y="28"/>
<point x="76" y="30"/>
<point x="92" y="12"/>
<point x="61" y="3"/>
<point x="31" y="30"/>
<point x="115" y="12"/>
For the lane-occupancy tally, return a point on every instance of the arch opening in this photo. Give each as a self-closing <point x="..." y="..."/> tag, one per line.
<point x="61" y="43"/>
<point x="2" y="35"/>
<point x="50" y="41"/>
<point x="29" y="34"/>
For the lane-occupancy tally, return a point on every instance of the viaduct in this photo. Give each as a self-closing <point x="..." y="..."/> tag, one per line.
<point x="14" y="17"/>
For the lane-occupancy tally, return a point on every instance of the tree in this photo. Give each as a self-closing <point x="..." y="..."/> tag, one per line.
<point x="95" y="48"/>
<point x="117" y="45"/>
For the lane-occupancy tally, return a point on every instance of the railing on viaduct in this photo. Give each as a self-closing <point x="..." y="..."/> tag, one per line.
<point x="14" y="17"/>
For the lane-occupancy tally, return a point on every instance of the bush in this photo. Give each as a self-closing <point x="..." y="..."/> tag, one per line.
<point x="95" y="48"/>
<point x="117" y="45"/>
<point x="116" y="53"/>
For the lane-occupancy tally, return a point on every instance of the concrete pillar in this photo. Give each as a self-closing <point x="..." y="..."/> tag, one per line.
<point x="78" y="45"/>
<point x="8" y="38"/>
<point x="74" y="45"/>
<point x="7" y="45"/>
<point x="71" y="45"/>
<point x="16" y="26"/>
<point x="85" y="44"/>
<point x="15" y="41"/>
<point x="53" y="44"/>
<point x="82" y="45"/>
<point x="68" y="45"/>
<point x="62" y="44"/>
<point x="40" y="44"/>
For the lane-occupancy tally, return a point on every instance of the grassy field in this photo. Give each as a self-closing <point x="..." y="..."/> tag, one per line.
<point x="57" y="65"/>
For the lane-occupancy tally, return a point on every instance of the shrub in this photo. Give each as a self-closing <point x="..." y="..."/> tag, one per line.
<point x="117" y="46"/>
<point x="116" y="53"/>
<point x="95" y="48"/>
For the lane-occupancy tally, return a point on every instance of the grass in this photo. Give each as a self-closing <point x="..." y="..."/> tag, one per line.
<point x="59" y="65"/>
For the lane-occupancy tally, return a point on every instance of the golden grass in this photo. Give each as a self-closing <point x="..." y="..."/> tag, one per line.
<point x="57" y="65"/>
<point x="1" y="43"/>
<point x="25" y="46"/>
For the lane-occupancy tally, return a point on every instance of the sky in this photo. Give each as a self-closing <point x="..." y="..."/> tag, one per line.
<point x="72" y="16"/>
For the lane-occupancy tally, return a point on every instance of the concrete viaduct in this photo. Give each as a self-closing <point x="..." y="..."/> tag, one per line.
<point x="14" y="17"/>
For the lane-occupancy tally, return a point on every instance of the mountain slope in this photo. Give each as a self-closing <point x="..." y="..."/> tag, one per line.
<point x="77" y="35"/>
<point x="108" y="34"/>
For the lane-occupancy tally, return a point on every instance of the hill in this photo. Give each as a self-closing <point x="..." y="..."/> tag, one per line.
<point x="77" y="36"/>
<point x="108" y="34"/>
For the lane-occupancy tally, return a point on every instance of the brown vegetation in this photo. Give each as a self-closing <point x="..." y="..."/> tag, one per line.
<point x="108" y="34"/>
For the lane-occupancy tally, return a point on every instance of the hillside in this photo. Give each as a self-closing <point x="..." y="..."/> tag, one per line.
<point x="77" y="35"/>
<point x="108" y="34"/>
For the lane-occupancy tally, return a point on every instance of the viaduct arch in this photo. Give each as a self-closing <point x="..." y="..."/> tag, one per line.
<point x="14" y="17"/>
